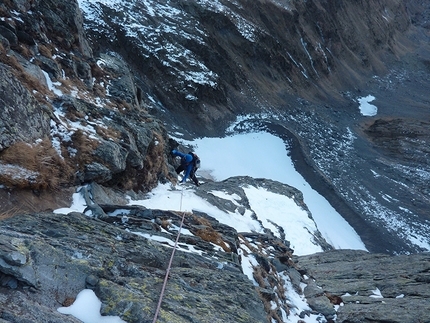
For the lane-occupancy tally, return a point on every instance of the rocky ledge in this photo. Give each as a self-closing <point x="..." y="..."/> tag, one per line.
<point x="46" y="259"/>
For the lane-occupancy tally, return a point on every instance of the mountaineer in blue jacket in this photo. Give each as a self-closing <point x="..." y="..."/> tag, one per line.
<point x="189" y="163"/>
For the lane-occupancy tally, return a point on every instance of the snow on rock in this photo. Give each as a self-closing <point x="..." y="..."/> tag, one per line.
<point x="367" y="109"/>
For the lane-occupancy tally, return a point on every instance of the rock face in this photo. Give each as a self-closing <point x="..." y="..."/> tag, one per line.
<point x="368" y="287"/>
<point x="103" y="134"/>
<point x="106" y="91"/>
<point x="121" y="252"/>
<point x="267" y="50"/>
<point x="405" y="140"/>
<point x="46" y="259"/>
<point x="22" y="117"/>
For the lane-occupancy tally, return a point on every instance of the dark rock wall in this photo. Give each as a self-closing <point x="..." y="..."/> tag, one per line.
<point x="260" y="52"/>
<point x="44" y="42"/>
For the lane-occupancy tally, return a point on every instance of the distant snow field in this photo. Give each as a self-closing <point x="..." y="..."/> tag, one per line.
<point x="263" y="155"/>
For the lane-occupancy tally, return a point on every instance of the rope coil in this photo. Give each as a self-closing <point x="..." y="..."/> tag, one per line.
<point x="170" y="262"/>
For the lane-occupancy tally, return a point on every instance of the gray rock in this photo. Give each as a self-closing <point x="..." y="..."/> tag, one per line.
<point x="96" y="211"/>
<point x="125" y="270"/>
<point x="312" y="290"/>
<point x="358" y="279"/>
<point x="50" y="66"/>
<point x="112" y="155"/>
<point x="83" y="71"/>
<point x="106" y="195"/>
<point x="5" y="43"/>
<point x="321" y="304"/>
<point x="123" y="87"/>
<point x="92" y="281"/>
<point x="296" y="279"/>
<point x="129" y="147"/>
<point x="22" y="117"/>
<point x="97" y="172"/>
<point x="31" y="310"/>
<point x="25" y="38"/>
<point x="30" y="68"/>
<point x="64" y="18"/>
<point x="9" y="35"/>
<point x="8" y="281"/>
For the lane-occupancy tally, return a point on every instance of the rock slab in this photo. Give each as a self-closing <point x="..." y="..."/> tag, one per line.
<point x="370" y="287"/>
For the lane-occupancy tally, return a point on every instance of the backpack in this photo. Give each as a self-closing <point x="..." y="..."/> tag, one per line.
<point x="196" y="160"/>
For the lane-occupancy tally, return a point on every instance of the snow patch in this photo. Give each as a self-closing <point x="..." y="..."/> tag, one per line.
<point x="87" y="309"/>
<point x="367" y="109"/>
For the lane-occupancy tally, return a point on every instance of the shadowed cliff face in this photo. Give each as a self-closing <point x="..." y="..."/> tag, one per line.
<point x="250" y="55"/>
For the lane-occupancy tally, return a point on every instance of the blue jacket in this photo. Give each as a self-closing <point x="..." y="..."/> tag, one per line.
<point x="188" y="165"/>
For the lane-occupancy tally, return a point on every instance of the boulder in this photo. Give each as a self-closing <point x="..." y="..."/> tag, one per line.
<point x="23" y="118"/>
<point x="9" y="34"/>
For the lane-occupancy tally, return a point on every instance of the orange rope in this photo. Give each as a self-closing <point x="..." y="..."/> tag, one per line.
<point x="170" y="264"/>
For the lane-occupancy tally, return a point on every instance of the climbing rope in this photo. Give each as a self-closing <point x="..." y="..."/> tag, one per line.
<point x="170" y="262"/>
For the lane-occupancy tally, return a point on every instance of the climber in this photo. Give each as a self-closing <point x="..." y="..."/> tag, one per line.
<point x="189" y="163"/>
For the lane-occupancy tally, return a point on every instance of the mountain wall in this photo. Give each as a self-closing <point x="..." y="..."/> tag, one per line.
<point x="76" y="117"/>
<point x="89" y="93"/>
<point x="250" y="55"/>
<point x="297" y="69"/>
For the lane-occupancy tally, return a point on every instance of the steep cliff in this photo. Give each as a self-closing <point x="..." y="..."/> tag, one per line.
<point x="250" y="56"/>
<point x="91" y="90"/>
<point x="69" y="117"/>
<point x="297" y="69"/>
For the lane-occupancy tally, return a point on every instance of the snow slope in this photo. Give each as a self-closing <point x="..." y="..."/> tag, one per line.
<point x="269" y="207"/>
